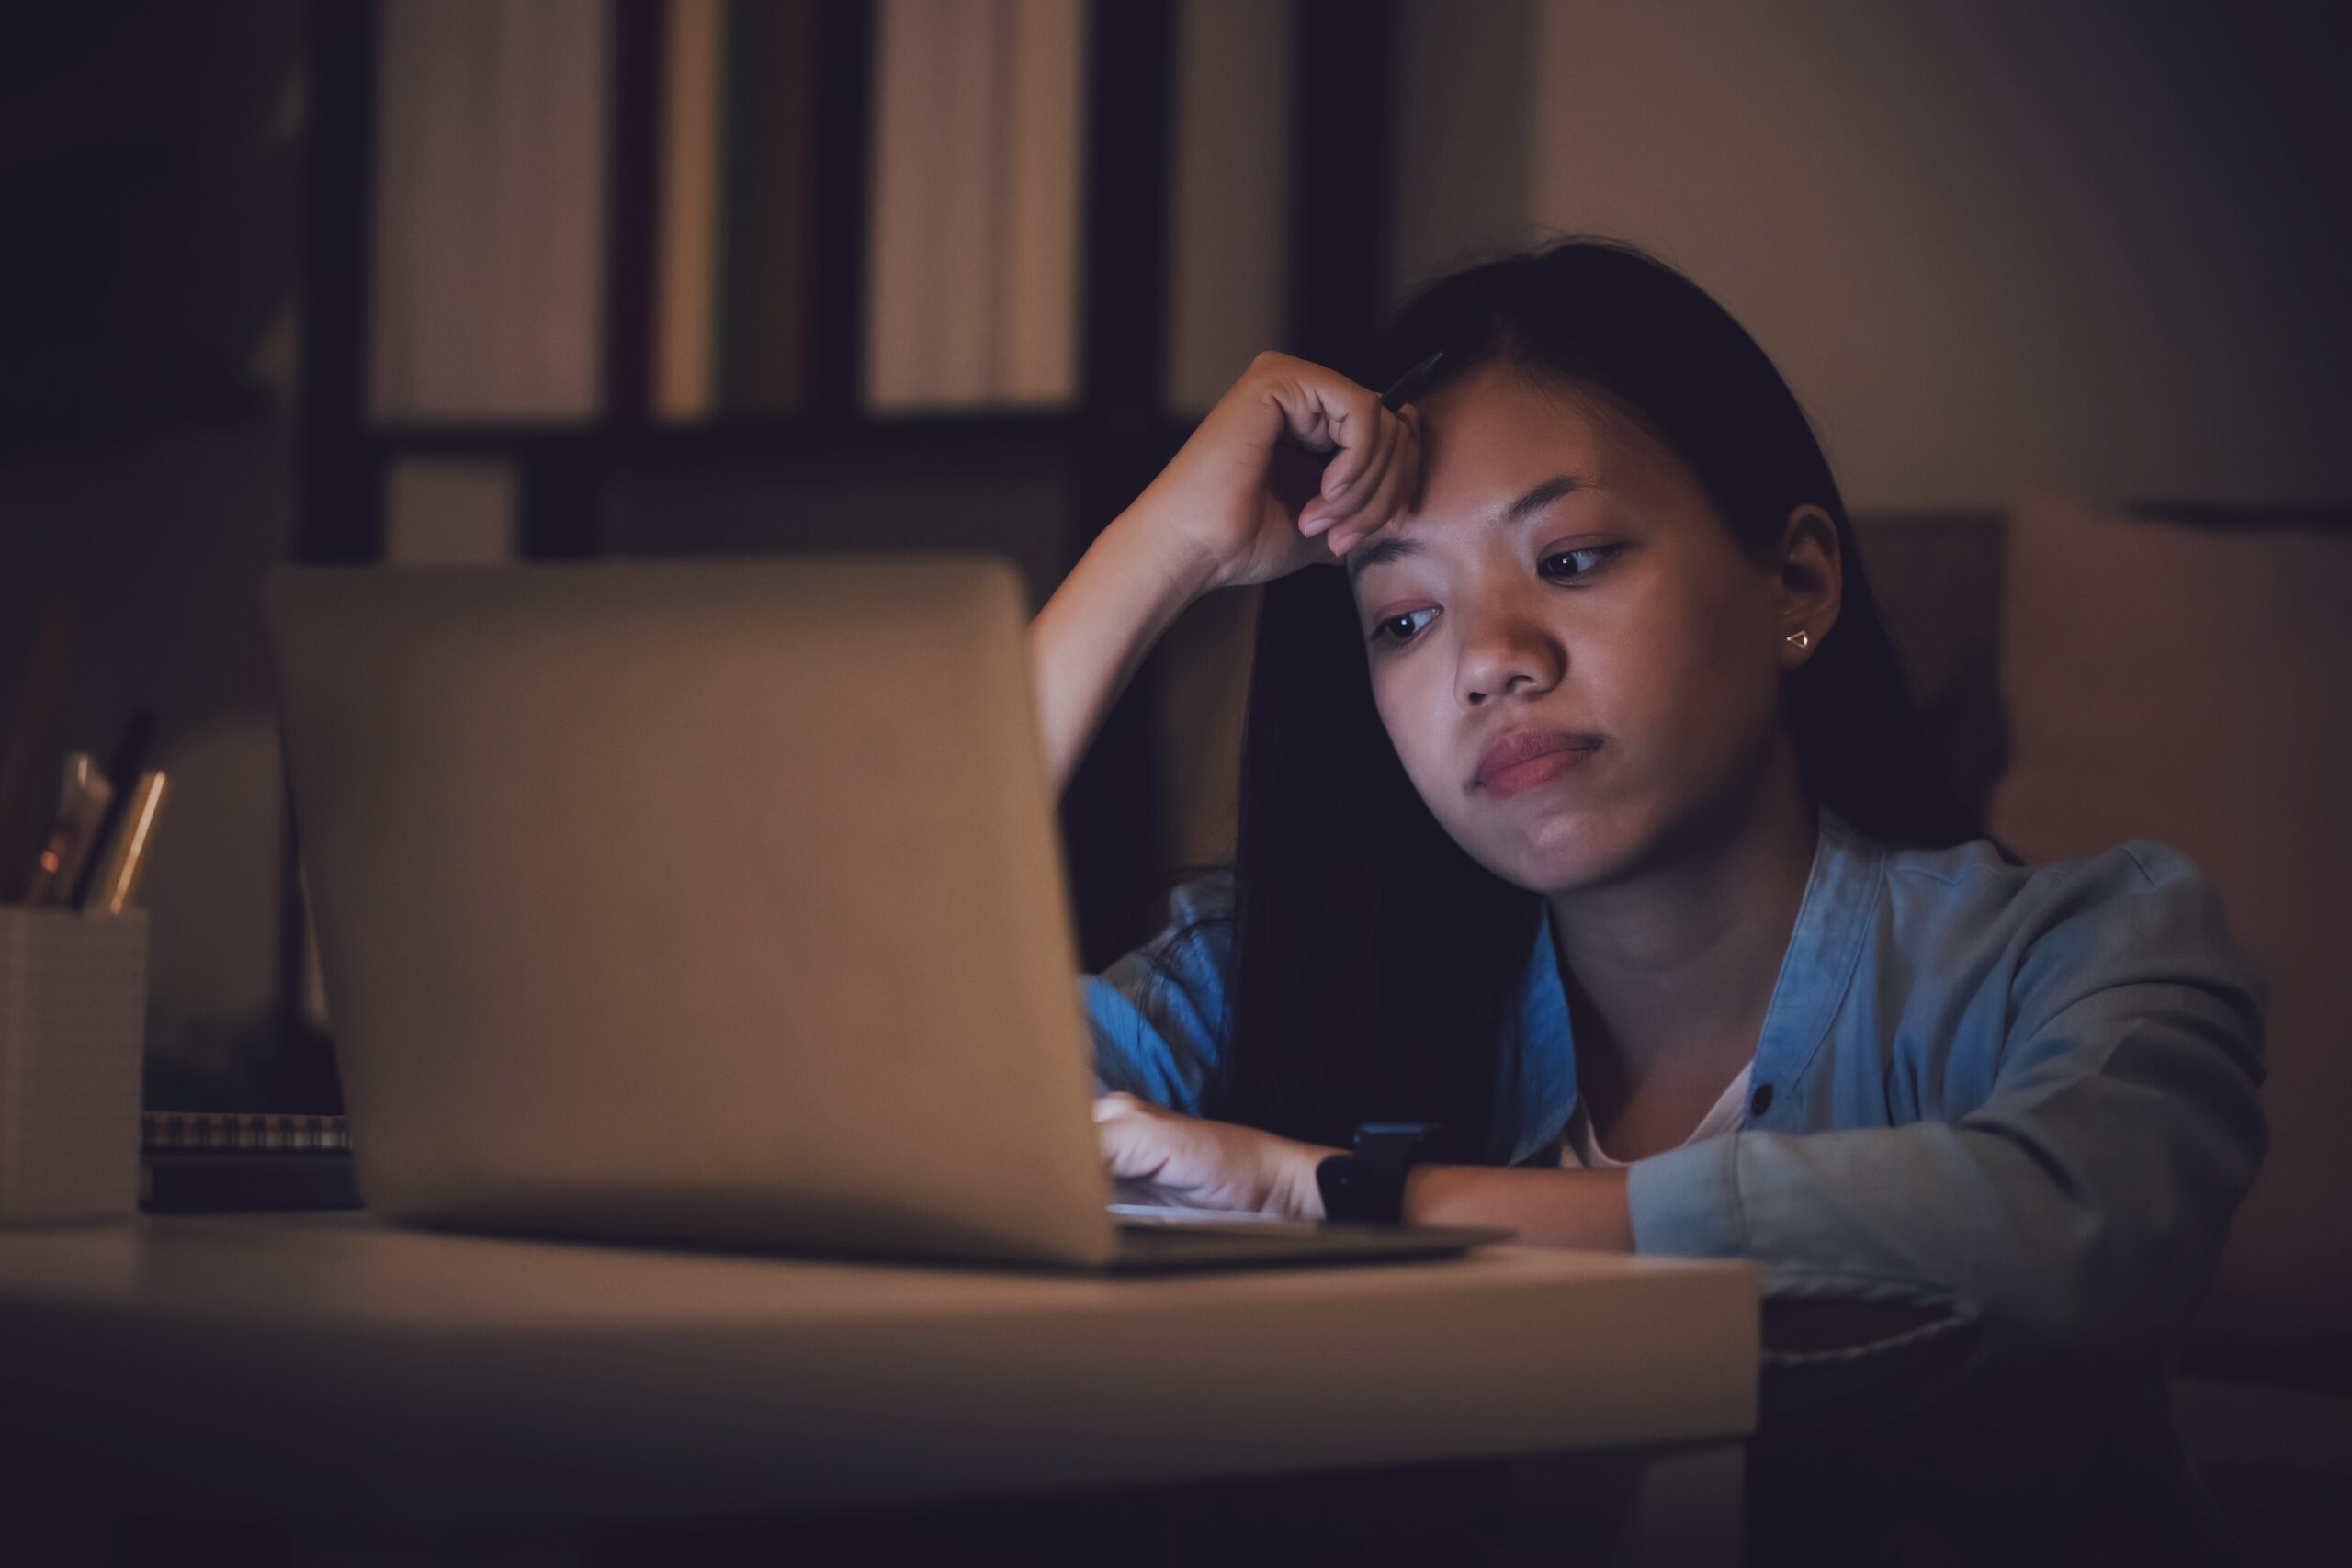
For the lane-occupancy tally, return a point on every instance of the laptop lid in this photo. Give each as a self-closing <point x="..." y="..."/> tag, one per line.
<point x="711" y="901"/>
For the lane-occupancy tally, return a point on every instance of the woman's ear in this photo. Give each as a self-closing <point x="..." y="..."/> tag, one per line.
<point x="1809" y="582"/>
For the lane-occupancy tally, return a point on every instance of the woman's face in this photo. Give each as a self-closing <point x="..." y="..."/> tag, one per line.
<point x="1560" y="574"/>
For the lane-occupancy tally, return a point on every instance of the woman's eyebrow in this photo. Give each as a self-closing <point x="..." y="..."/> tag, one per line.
<point x="1394" y="547"/>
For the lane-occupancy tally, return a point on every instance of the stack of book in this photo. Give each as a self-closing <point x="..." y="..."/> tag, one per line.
<point x="489" y="270"/>
<point x="499" y="138"/>
<point x="191" y="1160"/>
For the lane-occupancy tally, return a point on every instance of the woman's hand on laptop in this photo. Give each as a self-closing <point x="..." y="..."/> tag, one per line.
<point x="1293" y="466"/>
<point x="1209" y="1165"/>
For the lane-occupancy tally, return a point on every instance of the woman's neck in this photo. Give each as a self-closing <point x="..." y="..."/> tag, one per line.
<point x="1678" y="964"/>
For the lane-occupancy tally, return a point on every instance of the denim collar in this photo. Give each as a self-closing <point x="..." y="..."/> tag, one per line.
<point x="1840" y="892"/>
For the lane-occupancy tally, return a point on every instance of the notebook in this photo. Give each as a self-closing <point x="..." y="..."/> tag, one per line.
<point x="194" y="1161"/>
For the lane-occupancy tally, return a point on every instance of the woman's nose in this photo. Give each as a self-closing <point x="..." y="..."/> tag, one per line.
<point x="1506" y="654"/>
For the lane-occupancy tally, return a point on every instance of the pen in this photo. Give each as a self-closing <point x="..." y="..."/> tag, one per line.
<point x="80" y="768"/>
<point x="71" y="840"/>
<point x="118" y="883"/>
<point x="129" y="757"/>
<point x="1408" y="386"/>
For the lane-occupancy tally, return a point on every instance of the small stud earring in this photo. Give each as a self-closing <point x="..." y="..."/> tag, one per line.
<point x="1802" y="639"/>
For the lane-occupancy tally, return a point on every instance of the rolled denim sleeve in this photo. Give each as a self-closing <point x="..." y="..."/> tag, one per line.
<point x="2061" y="1231"/>
<point x="1158" y="1015"/>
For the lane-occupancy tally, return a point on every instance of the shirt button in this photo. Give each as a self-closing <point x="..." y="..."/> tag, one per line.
<point x="1761" y="1100"/>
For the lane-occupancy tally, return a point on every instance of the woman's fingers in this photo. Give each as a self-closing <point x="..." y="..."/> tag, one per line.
<point x="1398" y="484"/>
<point x="1215" y="1165"/>
<point x="1339" y="501"/>
<point x="1390" y="441"/>
<point x="1350" y="418"/>
<point x="1328" y="511"/>
<point x="1137" y="1139"/>
<point x="1376" y="512"/>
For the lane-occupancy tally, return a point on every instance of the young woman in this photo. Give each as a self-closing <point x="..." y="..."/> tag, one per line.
<point x="1584" y="811"/>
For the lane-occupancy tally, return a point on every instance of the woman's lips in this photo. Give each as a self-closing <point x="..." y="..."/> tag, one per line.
<point x="1521" y="777"/>
<point x="1503" y="762"/>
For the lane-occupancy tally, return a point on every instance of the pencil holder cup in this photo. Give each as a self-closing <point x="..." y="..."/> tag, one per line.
<point x="72" y="1033"/>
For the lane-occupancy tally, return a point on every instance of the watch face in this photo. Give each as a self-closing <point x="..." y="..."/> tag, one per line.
<point x="1349" y="1191"/>
<point x="1364" y="1188"/>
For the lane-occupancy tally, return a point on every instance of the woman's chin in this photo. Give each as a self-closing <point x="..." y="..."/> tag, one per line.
<point x="1559" y="852"/>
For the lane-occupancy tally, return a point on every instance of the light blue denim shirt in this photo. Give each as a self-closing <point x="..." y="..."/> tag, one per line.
<point x="2022" y="1097"/>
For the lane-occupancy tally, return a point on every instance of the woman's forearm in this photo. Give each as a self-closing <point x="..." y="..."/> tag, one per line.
<point x="1581" y="1209"/>
<point x="1585" y="1210"/>
<point x="1092" y="634"/>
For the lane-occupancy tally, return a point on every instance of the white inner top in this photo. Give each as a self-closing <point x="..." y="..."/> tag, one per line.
<point x="1582" y="1148"/>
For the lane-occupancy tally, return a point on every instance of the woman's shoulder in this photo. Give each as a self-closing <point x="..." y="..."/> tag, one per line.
<point x="2123" y="882"/>
<point x="2139" y="911"/>
<point x="1977" y="869"/>
<point x="1194" y="941"/>
<point x="1203" y="895"/>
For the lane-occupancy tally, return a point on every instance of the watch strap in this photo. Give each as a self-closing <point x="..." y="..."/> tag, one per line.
<point x="1367" y="1186"/>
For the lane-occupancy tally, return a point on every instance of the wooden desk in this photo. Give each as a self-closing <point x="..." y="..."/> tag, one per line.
<point x="385" y="1391"/>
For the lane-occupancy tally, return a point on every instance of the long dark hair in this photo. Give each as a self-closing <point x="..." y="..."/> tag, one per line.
<point x="1376" y="968"/>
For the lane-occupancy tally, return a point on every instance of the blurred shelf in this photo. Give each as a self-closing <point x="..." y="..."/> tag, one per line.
<point x="55" y="420"/>
<point x="1038" y="482"/>
<point x="751" y="436"/>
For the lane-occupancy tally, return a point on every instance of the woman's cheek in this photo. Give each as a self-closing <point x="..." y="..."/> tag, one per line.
<point x="1414" y="729"/>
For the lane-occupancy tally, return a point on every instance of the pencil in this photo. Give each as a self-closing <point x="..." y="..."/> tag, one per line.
<point x="1408" y="386"/>
<point x="129" y="759"/>
<point x="116" y="884"/>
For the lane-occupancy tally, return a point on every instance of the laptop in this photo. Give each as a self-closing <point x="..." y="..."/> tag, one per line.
<point x="714" y="903"/>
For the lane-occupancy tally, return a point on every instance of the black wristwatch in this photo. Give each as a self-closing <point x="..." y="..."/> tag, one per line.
<point x="1368" y="1186"/>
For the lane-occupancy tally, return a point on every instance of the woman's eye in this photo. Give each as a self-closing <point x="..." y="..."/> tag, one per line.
<point x="1387" y="630"/>
<point x="1599" y="553"/>
<point x="1398" y="630"/>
